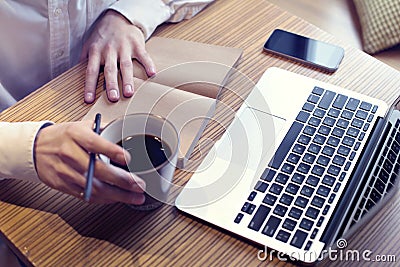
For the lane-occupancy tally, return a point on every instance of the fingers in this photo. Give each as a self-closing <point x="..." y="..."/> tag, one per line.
<point x="92" y="73"/>
<point x="126" y="66"/>
<point x="144" y="58"/>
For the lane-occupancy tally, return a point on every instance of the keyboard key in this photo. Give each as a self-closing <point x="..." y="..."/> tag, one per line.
<point x="338" y="132"/>
<point x="319" y="113"/>
<point x="331" y="198"/>
<point x="298" y="178"/>
<point x="306" y="224"/>
<point x="380" y="186"/>
<point x="269" y="199"/>
<point x="271" y="226"/>
<point x="292" y="188"/>
<point x="366" y="126"/>
<point x="301" y="202"/>
<point x="327" y="99"/>
<point x="317" y="201"/>
<point x="295" y="213"/>
<point x="342" y="123"/>
<point x="346" y="114"/>
<point x="298" y="239"/>
<point x="304" y="139"/>
<point x="312" y="212"/>
<point x="337" y="187"/>
<point x="324" y="130"/>
<point x="314" y="121"/>
<point x="340" y="101"/>
<point x="353" y="132"/>
<point x="314" y="233"/>
<point x="329" y="121"/>
<point x="312" y="180"/>
<point x="287" y="168"/>
<point x="357" y="123"/>
<point x="286" y="144"/>
<point x="375" y="195"/>
<point x="283" y="236"/>
<point x="328" y="151"/>
<point x="323" y="191"/>
<point x="326" y="209"/>
<point x="318" y="170"/>
<point x="280" y="210"/>
<point x="303" y="168"/>
<point x="282" y="178"/>
<point x="313" y="148"/>
<point x="352" y="104"/>
<point x="324" y="161"/>
<point x="259" y="217"/>
<point x="308" y="246"/>
<point x="328" y="180"/>
<point x="334" y="170"/>
<point x="361" y="114"/>
<point x="333" y="141"/>
<point x="302" y="116"/>
<point x="370" y="118"/>
<point x="248" y="207"/>
<point x="238" y="218"/>
<point x="348" y="141"/>
<point x="313" y="99"/>
<point x="309" y="130"/>
<point x="252" y="196"/>
<point x="289" y="224"/>
<point x="268" y="175"/>
<point x="319" y="139"/>
<point x="261" y="186"/>
<point x="339" y="160"/>
<point x="286" y="199"/>
<point x="307" y="191"/>
<point x="361" y="137"/>
<point x="276" y="189"/>
<point x="334" y="112"/>
<point x="374" y="109"/>
<point x="299" y="149"/>
<point x="365" y="106"/>
<point x="320" y="221"/>
<point x="308" y="107"/>
<point x="342" y="176"/>
<point x="309" y="158"/>
<point x="318" y="90"/>
<point x="344" y="151"/>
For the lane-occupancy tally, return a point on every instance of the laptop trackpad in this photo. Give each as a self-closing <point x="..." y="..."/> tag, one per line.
<point x="251" y="138"/>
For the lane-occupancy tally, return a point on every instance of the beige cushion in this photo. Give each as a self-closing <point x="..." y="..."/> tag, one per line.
<point x="380" y="23"/>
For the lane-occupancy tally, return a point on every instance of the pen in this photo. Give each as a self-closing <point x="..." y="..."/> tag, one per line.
<point x="92" y="160"/>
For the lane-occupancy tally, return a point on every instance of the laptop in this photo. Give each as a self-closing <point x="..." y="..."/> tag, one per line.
<point x="302" y="164"/>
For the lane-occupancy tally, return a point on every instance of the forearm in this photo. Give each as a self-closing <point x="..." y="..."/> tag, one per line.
<point x="148" y="14"/>
<point x="16" y="150"/>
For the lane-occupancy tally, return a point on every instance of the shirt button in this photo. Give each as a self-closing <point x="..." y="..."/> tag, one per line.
<point x="57" y="12"/>
<point x="59" y="53"/>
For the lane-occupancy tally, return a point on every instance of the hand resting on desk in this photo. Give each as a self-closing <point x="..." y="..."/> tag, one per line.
<point x="62" y="158"/>
<point x="114" y="39"/>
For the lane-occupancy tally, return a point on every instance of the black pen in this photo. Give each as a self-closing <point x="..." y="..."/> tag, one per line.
<point x="92" y="161"/>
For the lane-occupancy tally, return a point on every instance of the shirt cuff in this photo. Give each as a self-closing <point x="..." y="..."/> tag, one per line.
<point x="145" y="14"/>
<point x="16" y="152"/>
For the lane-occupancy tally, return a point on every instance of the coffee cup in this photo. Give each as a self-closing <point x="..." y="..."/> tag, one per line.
<point x="152" y="142"/>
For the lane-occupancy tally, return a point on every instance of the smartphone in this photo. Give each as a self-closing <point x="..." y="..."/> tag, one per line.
<point x="306" y="50"/>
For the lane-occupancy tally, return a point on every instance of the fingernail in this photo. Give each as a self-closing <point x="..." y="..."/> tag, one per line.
<point x="128" y="89"/>
<point x="113" y="94"/>
<point x="152" y="71"/>
<point x="89" y="97"/>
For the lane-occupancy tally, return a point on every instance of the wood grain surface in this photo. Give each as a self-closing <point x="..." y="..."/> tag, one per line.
<point x="47" y="228"/>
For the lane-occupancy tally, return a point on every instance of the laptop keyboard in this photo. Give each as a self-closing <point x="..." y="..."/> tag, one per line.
<point x="384" y="175"/>
<point x="302" y="181"/>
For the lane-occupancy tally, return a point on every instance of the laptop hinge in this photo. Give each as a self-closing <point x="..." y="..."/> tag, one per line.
<point x="343" y="210"/>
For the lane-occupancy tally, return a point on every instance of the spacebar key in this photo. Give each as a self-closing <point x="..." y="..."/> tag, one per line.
<point x="285" y="145"/>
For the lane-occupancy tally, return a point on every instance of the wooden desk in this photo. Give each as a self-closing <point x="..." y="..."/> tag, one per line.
<point x="47" y="228"/>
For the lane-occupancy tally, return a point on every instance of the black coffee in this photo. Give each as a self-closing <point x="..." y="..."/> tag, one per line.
<point x="147" y="152"/>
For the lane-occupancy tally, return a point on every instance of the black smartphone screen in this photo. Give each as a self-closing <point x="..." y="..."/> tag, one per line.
<point x="316" y="53"/>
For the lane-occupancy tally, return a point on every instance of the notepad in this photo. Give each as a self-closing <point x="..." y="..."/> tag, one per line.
<point x="185" y="90"/>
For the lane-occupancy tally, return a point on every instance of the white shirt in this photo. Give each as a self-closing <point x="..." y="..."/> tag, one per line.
<point x="43" y="38"/>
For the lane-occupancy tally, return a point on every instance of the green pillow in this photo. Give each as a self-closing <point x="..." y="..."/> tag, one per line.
<point x="380" y="23"/>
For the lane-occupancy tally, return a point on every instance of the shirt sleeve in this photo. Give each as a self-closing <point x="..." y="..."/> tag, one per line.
<point x="17" y="140"/>
<point x="148" y="14"/>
